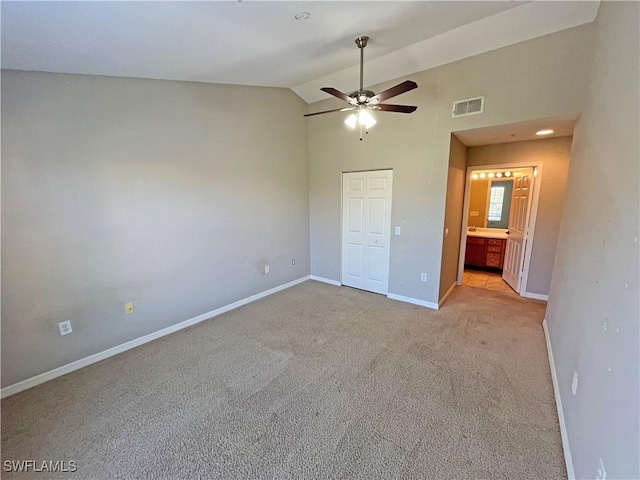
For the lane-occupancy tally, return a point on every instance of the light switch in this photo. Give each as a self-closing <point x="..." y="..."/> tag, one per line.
<point x="397" y="230"/>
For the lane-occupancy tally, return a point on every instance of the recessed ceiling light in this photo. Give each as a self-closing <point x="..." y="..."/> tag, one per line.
<point x="544" y="132"/>
<point x="302" y="16"/>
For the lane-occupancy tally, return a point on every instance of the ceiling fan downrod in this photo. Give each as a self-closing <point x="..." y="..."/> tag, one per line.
<point x="361" y="42"/>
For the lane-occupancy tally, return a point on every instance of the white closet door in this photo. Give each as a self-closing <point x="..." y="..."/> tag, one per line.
<point x="366" y="229"/>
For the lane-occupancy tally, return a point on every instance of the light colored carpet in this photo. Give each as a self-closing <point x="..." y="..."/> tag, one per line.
<point x="313" y="382"/>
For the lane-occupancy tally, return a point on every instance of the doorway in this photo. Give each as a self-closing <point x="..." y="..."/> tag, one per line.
<point x="366" y="229"/>
<point x="492" y="256"/>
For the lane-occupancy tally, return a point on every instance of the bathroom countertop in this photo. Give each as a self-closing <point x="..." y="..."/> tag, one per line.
<point x="488" y="233"/>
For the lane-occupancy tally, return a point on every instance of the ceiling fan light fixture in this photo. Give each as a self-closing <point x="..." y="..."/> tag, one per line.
<point x="366" y="119"/>
<point x="361" y="117"/>
<point x="351" y="121"/>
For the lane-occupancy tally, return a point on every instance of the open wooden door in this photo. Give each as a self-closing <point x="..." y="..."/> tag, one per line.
<point x="518" y="226"/>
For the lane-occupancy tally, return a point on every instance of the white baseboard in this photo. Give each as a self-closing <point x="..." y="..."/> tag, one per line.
<point x="563" y="427"/>
<point x="110" y="352"/>
<point x="537" y="296"/>
<point x="414" y="301"/>
<point x="325" y="280"/>
<point x="446" y="295"/>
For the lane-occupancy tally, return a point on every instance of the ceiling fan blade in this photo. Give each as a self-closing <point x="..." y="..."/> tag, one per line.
<point x="393" y="91"/>
<point x="329" y="111"/>
<point x="337" y="93"/>
<point x="394" y="108"/>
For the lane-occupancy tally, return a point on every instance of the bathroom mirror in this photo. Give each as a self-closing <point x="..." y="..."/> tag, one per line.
<point x="490" y="202"/>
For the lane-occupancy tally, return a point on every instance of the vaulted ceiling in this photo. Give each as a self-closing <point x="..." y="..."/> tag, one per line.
<point x="262" y="43"/>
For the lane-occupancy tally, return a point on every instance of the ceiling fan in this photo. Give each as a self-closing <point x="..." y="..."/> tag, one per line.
<point x="362" y="101"/>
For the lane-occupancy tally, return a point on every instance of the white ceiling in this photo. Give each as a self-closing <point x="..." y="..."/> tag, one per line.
<point x="562" y="126"/>
<point x="260" y="42"/>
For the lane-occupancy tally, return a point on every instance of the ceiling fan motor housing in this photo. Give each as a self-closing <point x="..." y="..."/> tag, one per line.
<point x="362" y="97"/>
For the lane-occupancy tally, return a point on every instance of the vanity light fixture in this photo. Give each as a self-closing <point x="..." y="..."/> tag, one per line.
<point x="483" y="175"/>
<point x="544" y="132"/>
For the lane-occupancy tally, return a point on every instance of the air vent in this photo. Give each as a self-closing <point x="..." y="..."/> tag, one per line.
<point x="470" y="106"/>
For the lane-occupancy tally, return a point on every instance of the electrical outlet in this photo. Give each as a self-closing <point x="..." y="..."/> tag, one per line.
<point x="602" y="473"/>
<point x="423" y="277"/>
<point x="574" y="383"/>
<point x="129" y="308"/>
<point x="65" y="327"/>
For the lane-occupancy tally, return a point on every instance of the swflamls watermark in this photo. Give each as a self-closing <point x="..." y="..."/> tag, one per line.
<point x="53" y="466"/>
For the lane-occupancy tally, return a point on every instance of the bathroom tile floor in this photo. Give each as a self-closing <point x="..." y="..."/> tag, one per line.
<point x="489" y="280"/>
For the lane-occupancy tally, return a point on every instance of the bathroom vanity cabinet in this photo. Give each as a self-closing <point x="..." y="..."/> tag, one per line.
<point x="485" y="252"/>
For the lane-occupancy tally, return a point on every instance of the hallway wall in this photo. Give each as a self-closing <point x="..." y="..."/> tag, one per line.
<point x="594" y="303"/>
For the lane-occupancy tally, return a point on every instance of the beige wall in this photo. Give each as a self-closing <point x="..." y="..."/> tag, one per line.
<point x="168" y="194"/>
<point x="556" y="154"/>
<point x="478" y="202"/>
<point x="539" y="78"/>
<point x="453" y="215"/>
<point x="593" y="312"/>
